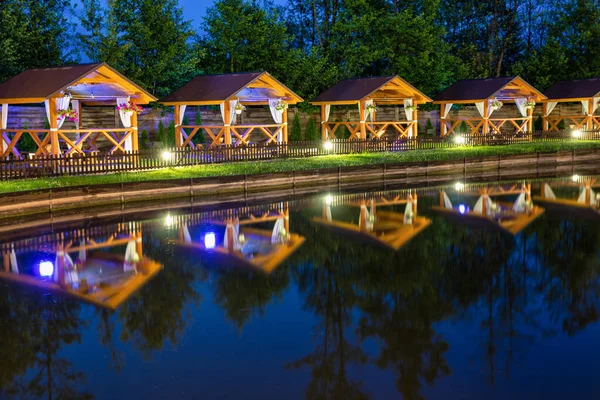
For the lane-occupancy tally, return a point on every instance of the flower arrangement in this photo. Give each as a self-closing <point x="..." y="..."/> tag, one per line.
<point x="371" y="108"/>
<point x="284" y="235"/>
<point x="411" y="108"/>
<point x="130" y="107"/>
<point x="281" y="105"/>
<point x="496" y="105"/>
<point x="69" y="114"/>
<point x="530" y="104"/>
<point x="239" y="107"/>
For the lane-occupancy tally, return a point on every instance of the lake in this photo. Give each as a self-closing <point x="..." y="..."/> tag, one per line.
<point x="464" y="291"/>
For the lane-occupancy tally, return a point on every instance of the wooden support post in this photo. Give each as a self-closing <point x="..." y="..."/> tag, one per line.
<point x="484" y="205"/>
<point x="528" y="192"/>
<point x="590" y="118"/>
<point x="6" y="261"/>
<point x="323" y="123"/>
<point x="229" y="236"/>
<point x="227" y="125"/>
<point x="442" y="123"/>
<point x="3" y="143"/>
<point x="442" y="199"/>
<point x="416" y="120"/>
<point x="362" y="119"/>
<point x="53" y="121"/>
<point x="588" y="195"/>
<point x="414" y="200"/>
<point x="138" y="245"/>
<point x="177" y="118"/>
<point x="363" y="217"/>
<point x="486" y="118"/>
<point x="544" y="117"/>
<point x="284" y="130"/>
<point x="529" y="119"/>
<point x="134" y="132"/>
<point x="60" y="264"/>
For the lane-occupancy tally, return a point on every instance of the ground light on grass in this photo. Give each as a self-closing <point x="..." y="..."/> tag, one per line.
<point x="297" y="164"/>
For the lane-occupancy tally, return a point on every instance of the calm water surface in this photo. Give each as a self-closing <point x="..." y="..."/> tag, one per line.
<point x="458" y="312"/>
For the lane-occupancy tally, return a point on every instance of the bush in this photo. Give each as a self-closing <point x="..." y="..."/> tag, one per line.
<point x="561" y="125"/>
<point x="144" y="140"/>
<point x="463" y="128"/>
<point x="429" y="125"/>
<point x="26" y="143"/>
<point x="296" y="132"/>
<point x="342" y="132"/>
<point x="169" y="139"/>
<point x="311" y="130"/>
<point x="538" y="124"/>
<point x="198" y="122"/>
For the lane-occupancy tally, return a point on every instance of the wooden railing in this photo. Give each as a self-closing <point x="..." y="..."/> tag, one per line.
<point x="240" y="134"/>
<point x="475" y="125"/>
<point x="70" y="141"/>
<point x="377" y="129"/>
<point x="14" y="167"/>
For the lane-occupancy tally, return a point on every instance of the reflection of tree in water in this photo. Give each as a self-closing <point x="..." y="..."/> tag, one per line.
<point x="156" y="314"/>
<point x="569" y="252"/>
<point x="243" y="292"/>
<point x="34" y="330"/>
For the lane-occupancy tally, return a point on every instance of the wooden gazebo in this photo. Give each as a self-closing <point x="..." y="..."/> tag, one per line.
<point x="64" y="90"/>
<point x="233" y="93"/>
<point x="584" y="91"/>
<point x="368" y="93"/>
<point x="488" y="95"/>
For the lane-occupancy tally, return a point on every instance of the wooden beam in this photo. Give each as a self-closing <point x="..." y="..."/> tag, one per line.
<point x="177" y="116"/>
<point x="227" y="124"/>
<point x="442" y="119"/>
<point x="284" y="130"/>
<point x="134" y="134"/>
<point x="590" y="115"/>
<point x="53" y="121"/>
<point x="486" y="117"/>
<point x="362" y="118"/>
<point x="544" y="117"/>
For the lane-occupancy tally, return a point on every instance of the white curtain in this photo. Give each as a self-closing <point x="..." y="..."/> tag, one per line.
<point x="479" y="106"/>
<point x="581" y="198"/>
<point x="186" y="234"/>
<point x="232" y="114"/>
<point x="62" y="103"/>
<point x="408" y="214"/>
<point x="4" y="124"/>
<point x="68" y="265"/>
<point x="550" y="107"/>
<point x="479" y="205"/>
<point x="366" y="114"/>
<point x="548" y="193"/>
<point x="328" y="213"/>
<point x="327" y="111"/>
<point x="82" y="252"/>
<point x="584" y="107"/>
<point x="126" y="121"/>
<point x="13" y="261"/>
<point x="131" y="254"/>
<point x="277" y="115"/>
<point x="447" y="109"/>
<point x="520" y="204"/>
<point x="181" y="117"/>
<point x="278" y="231"/>
<point x="447" y="202"/>
<point x="520" y="102"/>
<point x="409" y="113"/>
<point x="595" y="103"/>
<point x="368" y="218"/>
<point x="233" y="230"/>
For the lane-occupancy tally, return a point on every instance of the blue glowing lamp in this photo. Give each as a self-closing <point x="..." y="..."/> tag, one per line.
<point x="210" y="240"/>
<point x="46" y="268"/>
<point x="462" y="208"/>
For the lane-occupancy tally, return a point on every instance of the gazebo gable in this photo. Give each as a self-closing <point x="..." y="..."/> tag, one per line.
<point x="92" y="82"/>
<point x="382" y="89"/>
<point x="477" y="90"/>
<point x="250" y="88"/>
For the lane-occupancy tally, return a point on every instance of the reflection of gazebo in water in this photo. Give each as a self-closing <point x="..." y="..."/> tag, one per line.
<point x="488" y="95"/>
<point x="233" y="240"/>
<point x="64" y="90"/>
<point x="584" y="91"/>
<point x="385" y="228"/>
<point x="368" y="93"/>
<point x="77" y="270"/>
<point x="587" y="202"/>
<point x="509" y="217"/>
<point x="232" y="93"/>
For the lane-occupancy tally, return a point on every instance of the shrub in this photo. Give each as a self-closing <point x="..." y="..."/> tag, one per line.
<point x="26" y="143"/>
<point x="342" y="132"/>
<point x="561" y="125"/>
<point x="311" y="130"/>
<point x="463" y="127"/>
<point x="198" y="121"/>
<point x="160" y="133"/>
<point x="538" y="124"/>
<point x="144" y="140"/>
<point x="169" y="139"/>
<point x="296" y="132"/>
<point x="429" y="125"/>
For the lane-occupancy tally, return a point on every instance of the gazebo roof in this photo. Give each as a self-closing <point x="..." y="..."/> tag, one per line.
<point x="475" y="90"/>
<point x="392" y="89"/>
<point x="249" y="87"/>
<point x="95" y="82"/>
<point x="573" y="90"/>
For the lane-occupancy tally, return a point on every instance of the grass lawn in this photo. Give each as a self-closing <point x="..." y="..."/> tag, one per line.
<point x="255" y="167"/>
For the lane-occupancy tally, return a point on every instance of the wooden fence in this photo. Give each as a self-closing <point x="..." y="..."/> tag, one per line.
<point x="101" y="163"/>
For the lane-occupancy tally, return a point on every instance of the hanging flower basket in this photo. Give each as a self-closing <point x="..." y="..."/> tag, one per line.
<point x="529" y="104"/>
<point x="371" y="108"/>
<point x="239" y="107"/>
<point x="410" y="108"/>
<point x="281" y="105"/>
<point x="129" y="108"/>
<point x="495" y="105"/>
<point x="69" y="114"/>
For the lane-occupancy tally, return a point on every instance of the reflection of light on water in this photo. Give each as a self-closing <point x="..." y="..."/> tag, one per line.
<point x="462" y="208"/>
<point x="458" y="186"/>
<point x="210" y="240"/>
<point x="168" y="221"/>
<point x="328" y="199"/>
<point x="575" y="178"/>
<point x="46" y="268"/>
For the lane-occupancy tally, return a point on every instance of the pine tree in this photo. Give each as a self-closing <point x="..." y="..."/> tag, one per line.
<point x="200" y="134"/>
<point x="296" y="132"/>
<point x="311" y="130"/>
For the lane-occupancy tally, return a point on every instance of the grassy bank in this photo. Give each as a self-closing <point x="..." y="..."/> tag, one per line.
<point x="292" y="164"/>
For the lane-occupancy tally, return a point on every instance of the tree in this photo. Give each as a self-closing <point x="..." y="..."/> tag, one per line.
<point x="35" y="34"/>
<point x="147" y="40"/>
<point x="296" y="132"/>
<point x="198" y="121"/>
<point x="311" y="130"/>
